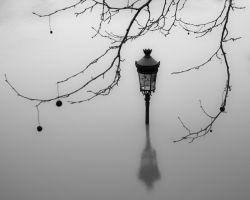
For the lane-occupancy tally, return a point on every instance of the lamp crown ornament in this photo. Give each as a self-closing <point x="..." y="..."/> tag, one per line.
<point x="147" y="52"/>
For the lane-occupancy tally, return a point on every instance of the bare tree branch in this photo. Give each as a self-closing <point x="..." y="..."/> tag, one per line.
<point x="194" y="135"/>
<point x="166" y="19"/>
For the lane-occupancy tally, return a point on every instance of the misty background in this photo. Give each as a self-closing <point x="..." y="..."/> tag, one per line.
<point x="96" y="150"/>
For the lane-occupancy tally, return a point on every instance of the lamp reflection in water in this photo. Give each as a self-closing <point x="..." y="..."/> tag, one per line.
<point x="148" y="172"/>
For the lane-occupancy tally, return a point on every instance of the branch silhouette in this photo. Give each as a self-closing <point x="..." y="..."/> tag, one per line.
<point x="167" y="18"/>
<point x="204" y="131"/>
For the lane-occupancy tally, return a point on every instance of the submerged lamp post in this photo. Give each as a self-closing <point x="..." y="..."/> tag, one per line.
<point x="147" y="69"/>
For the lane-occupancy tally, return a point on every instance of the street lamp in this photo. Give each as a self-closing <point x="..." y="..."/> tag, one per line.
<point x="147" y="69"/>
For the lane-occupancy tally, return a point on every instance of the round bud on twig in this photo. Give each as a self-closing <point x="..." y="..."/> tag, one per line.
<point x="222" y="109"/>
<point x="39" y="128"/>
<point x="59" y="103"/>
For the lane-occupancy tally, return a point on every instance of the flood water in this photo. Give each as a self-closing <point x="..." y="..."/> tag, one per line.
<point x="102" y="149"/>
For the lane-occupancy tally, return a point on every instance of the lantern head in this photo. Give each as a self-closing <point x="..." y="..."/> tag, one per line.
<point x="147" y="69"/>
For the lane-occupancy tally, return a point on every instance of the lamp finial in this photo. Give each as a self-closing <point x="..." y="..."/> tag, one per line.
<point x="147" y="52"/>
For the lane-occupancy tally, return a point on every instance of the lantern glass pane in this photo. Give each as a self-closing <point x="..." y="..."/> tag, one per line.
<point x="153" y="81"/>
<point x="145" y="81"/>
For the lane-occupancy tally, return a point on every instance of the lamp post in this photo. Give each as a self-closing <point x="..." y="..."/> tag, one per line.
<point x="147" y="69"/>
